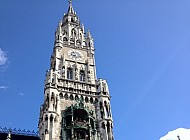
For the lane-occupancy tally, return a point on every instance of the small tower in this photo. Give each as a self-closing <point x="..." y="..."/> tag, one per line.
<point x="76" y="104"/>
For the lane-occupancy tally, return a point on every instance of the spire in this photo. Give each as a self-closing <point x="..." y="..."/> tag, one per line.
<point x="59" y="27"/>
<point x="71" y="10"/>
<point x="88" y="34"/>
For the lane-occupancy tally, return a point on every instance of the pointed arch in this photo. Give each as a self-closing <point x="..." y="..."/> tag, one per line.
<point x="76" y="98"/>
<point x="96" y="100"/>
<point x="66" y="96"/>
<point x="82" y="75"/>
<point x="46" y="117"/>
<point x="86" y="99"/>
<point x="91" y="100"/>
<point x="61" y="95"/>
<point x="78" y="42"/>
<point x="70" y="73"/>
<point x="82" y="98"/>
<point x="73" y="32"/>
<point x="71" y="97"/>
<point x="46" y="131"/>
<point x="51" y="118"/>
<point x="65" y="39"/>
<point x="103" y="125"/>
<point x="108" y="127"/>
<point x="52" y="96"/>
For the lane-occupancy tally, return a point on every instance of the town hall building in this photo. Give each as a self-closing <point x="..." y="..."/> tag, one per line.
<point x="76" y="104"/>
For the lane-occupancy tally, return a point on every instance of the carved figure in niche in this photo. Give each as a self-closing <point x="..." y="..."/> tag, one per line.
<point x="69" y="73"/>
<point x="56" y="103"/>
<point x="107" y="106"/>
<point x="82" y="75"/>
<point x="46" y="131"/>
<point x="102" y="114"/>
<point x="73" y="33"/>
<point x="46" y="118"/>
<point x="78" y="42"/>
<point x="109" y="112"/>
<point x="108" y="127"/>
<point x="103" y="125"/>
<point x="47" y="102"/>
<point x="63" y="72"/>
<point x="64" y="32"/>
<point x="75" y="135"/>
<point x="55" y="119"/>
<point x="76" y="73"/>
<point x="88" y="75"/>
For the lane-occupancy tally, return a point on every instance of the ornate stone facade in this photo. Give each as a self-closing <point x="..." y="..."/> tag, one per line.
<point x="76" y="104"/>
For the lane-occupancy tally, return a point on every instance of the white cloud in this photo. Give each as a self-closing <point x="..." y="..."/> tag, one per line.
<point x="3" y="87"/>
<point x="183" y="133"/>
<point x="21" y="94"/>
<point x="3" y="57"/>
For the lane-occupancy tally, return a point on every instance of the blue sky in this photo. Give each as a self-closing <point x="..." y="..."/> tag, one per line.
<point x="142" y="50"/>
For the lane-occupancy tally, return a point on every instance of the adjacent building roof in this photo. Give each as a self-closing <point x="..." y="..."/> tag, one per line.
<point x="17" y="134"/>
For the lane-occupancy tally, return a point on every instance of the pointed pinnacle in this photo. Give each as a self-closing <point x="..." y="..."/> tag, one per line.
<point x="70" y="1"/>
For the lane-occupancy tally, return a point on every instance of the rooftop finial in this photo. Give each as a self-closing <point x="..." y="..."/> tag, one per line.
<point x="70" y="10"/>
<point x="70" y="1"/>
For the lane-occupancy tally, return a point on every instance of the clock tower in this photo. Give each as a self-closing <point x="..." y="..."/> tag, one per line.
<point x="76" y="104"/>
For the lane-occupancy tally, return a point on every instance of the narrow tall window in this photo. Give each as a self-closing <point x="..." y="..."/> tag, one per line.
<point x="70" y="73"/>
<point x="73" y="33"/>
<point x="82" y="76"/>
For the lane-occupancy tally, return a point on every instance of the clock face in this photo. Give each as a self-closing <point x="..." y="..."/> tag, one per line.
<point x="75" y="54"/>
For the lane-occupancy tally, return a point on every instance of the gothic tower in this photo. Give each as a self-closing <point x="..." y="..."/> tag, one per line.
<point x="76" y="104"/>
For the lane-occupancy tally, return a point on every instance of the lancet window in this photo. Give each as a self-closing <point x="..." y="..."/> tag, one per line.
<point x="82" y="76"/>
<point x="70" y="73"/>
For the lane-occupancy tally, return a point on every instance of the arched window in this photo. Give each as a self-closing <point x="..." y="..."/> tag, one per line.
<point x="61" y="95"/>
<point x="71" y="97"/>
<point x="82" y="98"/>
<point x="73" y="33"/>
<point x="52" y="96"/>
<point x="78" y="42"/>
<point x="46" y="118"/>
<point x="91" y="100"/>
<point x="108" y="127"/>
<point x="72" y="19"/>
<point x="64" y="32"/>
<point x="86" y="99"/>
<point x="66" y="96"/>
<point x="76" y="98"/>
<point x="64" y="39"/>
<point x="46" y="131"/>
<point x="82" y="76"/>
<point x="103" y="125"/>
<point x="70" y="73"/>
<point x="96" y="101"/>
<point x="51" y="118"/>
